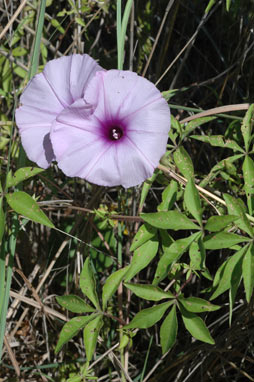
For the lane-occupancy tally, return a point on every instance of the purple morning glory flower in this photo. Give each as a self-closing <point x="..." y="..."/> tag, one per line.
<point x="108" y="127"/>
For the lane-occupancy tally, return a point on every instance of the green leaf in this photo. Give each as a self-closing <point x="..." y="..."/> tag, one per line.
<point x="222" y="279"/>
<point x="146" y="188"/>
<point x="145" y="233"/>
<point x="234" y="284"/>
<point x="148" y="292"/>
<point x="223" y="240"/>
<point x="209" y="6"/>
<point x="247" y="126"/>
<point x="223" y="164"/>
<point x="71" y="329"/>
<point x="87" y="284"/>
<point x="218" y="141"/>
<point x="142" y="257"/>
<point x="192" y="201"/>
<point x="122" y="33"/>
<point x="248" y="272"/>
<point x="57" y="25"/>
<point x="21" y="175"/>
<point x="24" y="204"/>
<point x="196" y="326"/>
<point x="196" y="123"/>
<point x="184" y="162"/>
<point x="80" y="21"/>
<point x="235" y="207"/>
<point x="172" y="254"/>
<point x="228" y="3"/>
<point x="169" y="220"/>
<point x="148" y="317"/>
<point x="168" y="330"/>
<point x="19" y="51"/>
<point x="197" y="305"/>
<point x="74" y="303"/>
<point x="168" y="196"/>
<point x="111" y="285"/>
<point x="218" y="223"/>
<point x="197" y="255"/>
<point x="91" y="333"/>
<point x="2" y="219"/>
<point x="248" y="175"/>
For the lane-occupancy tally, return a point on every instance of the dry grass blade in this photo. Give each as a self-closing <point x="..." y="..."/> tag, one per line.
<point x="35" y="304"/>
<point x="217" y="110"/>
<point x="12" y="356"/>
<point x="13" y="18"/>
<point x="169" y="6"/>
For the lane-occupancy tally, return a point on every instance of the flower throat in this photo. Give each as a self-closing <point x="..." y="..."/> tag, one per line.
<point x="115" y="133"/>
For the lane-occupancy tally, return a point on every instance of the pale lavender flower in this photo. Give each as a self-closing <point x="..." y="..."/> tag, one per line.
<point x="110" y="129"/>
<point x="62" y="82"/>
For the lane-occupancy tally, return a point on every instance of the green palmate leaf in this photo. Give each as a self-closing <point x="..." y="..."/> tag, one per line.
<point x="247" y="126"/>
<point x="172" y="254"/>
<point x="223" y="277"/>
<point x="169" y="220"/>
<point x="184" y="162"/>
<point x="168" y="196"/>
<point x="87" y="284"/>
<point x="248" y="175"/>
<point x="91" y="333"/>
<point x="223" y="240"/>
<point x="111" y="285"/>
<point x="145" y="233"/>
<point x="21" y="175"/>
<point x="142" y="257"/>
<point x="24" y="204"/>
<point x="192" y="201"/>
<point x="197" y="305"/>
<point x="217" y="223"/>
<point x="2" y="220"/>
<point x="168" y="330"/>
<point x="248" y="272"/>
<point x="148" y="292"/>
<point x="71" y="329"/>
<point x="235" y="207"/>
<point x="148" y="317"/>
<point x="74" y="303"/>
<point x="218" y="141"/>
<point x="196" y="326"/>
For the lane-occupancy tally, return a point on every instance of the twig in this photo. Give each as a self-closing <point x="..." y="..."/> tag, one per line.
<point x="13" y="18"/>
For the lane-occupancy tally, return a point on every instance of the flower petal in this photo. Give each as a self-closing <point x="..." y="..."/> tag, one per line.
<point x="123" y="94"/>
<point x="59" y="85"/>
<point x="37" y="145"/>
<point x="82" y="153"/>
<point x="69" y="76"/>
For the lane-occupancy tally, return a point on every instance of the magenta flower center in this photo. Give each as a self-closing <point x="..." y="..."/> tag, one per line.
<point x="115" y="133"/>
